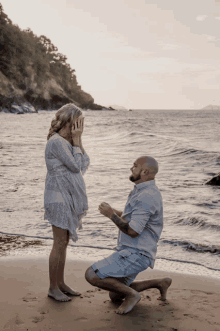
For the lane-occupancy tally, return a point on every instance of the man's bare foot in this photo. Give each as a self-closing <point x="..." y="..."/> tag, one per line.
<point x="128" y="304"/>
<point x="68" y="290"/>
<point x="58" y="295"/>
<point x="163" y="287"/>
<point x="116" y="298"/>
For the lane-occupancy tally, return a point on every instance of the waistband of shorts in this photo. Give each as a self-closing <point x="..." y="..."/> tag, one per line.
<point x="134" y="251"/>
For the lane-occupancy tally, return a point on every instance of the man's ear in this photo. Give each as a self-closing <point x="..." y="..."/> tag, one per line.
<point x="146" y="172"/>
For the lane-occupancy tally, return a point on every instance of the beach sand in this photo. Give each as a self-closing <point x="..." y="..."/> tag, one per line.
<point x="193" y="303"/>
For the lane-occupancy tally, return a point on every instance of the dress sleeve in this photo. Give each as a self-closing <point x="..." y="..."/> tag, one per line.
<point x="85" y="162"/>
<point x="71" y="159"/>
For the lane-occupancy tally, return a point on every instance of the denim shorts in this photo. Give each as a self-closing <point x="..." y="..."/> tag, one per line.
<point x="125" y="265"/>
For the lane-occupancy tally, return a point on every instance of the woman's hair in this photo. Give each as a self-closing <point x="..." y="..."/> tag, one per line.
<point x="67" y="113"/>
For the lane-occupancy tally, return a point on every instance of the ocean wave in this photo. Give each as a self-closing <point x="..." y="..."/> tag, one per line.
<point x="192" y="151"/>
<point x="185" y="151"/>
<point x="188" y="262"/>
<point x="189" y="246"/>
<point x="198" y="222"/>
<point x="175" y="243"/>
<point x="199" y="248"/>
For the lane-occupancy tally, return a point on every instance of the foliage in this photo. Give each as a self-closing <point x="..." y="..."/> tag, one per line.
<point x="21" y="50"/>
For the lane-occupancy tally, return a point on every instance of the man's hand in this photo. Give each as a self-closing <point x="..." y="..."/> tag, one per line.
<point x="106" y="210"/>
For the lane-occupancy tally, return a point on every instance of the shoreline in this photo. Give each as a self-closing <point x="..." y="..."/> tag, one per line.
<point x="24" y="247"/>
<point x="192" y="302"/>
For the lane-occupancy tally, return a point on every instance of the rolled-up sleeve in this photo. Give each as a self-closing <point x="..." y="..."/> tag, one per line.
<point x="140" y="216"/>
<point x="70" y="157"/>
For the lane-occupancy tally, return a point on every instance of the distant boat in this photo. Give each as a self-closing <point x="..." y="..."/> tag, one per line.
<point x="130" y="109"/>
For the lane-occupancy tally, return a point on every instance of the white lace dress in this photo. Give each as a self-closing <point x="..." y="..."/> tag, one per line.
<point x="65" y="199"/>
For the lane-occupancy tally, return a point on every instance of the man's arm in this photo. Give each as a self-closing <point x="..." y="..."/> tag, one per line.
<point x="123" y="226"/>
<point x="106" y="210"/>
<point x="117" y="212"/>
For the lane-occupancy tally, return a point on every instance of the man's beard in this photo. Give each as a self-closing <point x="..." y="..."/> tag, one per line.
<point x="132" y="179"/>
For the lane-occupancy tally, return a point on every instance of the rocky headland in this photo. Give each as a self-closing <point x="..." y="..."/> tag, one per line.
<point x="211" y="107"/>
<point x="34" y="75"/>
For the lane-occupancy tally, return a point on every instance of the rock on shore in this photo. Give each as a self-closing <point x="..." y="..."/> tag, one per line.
<point x="215" y="181"/>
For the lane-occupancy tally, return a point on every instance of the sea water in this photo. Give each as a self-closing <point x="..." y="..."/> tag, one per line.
<point x="184" y="142"/>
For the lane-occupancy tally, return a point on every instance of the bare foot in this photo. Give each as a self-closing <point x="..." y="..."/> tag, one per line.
<point x="58" y="295"/>
<point x="68" y="290"/>
<point x="163" y="287"/>
<point x="128" y="304"/>
<point x="116" y="298"/>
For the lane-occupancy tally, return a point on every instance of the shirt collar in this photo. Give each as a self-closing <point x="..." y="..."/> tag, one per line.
<point x="144" y="184"/>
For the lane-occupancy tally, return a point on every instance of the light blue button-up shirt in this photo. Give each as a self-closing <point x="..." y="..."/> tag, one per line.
<point x="144" y="212"/>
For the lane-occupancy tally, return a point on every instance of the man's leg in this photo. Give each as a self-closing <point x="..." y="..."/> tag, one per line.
<point x="112" y="284"/>
<point x="142" y="285"/>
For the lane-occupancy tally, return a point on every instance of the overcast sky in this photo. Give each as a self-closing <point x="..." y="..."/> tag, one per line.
<point x="133" y="53"/>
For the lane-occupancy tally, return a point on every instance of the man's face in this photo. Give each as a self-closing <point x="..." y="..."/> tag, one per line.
<point x="136" y="172"/>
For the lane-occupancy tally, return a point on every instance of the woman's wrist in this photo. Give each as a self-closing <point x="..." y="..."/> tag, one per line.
<point x="80" y="144"/>
<point x="76" y="142"/>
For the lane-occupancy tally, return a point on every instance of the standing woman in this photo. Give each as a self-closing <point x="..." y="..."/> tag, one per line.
<point x="65" y="199"/>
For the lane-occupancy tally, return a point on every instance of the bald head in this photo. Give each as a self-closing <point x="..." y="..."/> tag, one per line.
<point x="148" y="162"/>
<point x="144" y="169"/>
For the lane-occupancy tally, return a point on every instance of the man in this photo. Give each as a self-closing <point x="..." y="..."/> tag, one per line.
<point x="140" y="227"/>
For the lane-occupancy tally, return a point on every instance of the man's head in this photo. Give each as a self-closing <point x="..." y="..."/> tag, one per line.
<point x="144" y="169"/>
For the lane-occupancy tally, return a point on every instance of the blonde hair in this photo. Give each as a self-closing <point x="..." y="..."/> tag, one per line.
<point x="67" y="113"/>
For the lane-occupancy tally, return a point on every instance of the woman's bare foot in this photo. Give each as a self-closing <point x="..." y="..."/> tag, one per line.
<point x="163" y="287"/>
<point x="58" y="295"/>
<point x="68" y="290"/>
<point x="128" y="304"/>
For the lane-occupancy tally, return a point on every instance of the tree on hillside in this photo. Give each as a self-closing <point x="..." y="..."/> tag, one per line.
<point x="23" y="54"/>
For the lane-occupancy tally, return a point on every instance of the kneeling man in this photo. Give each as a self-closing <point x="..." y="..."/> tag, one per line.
<point x="140" y="227"/>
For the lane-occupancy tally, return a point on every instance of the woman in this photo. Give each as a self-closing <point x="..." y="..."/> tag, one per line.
<point x="65" y="199"/>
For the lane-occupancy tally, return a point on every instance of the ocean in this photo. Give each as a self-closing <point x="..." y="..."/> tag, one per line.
<point x="184" y="142"/>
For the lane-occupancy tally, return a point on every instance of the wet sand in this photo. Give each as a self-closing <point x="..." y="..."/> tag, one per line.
<point x="10" y="243"/>
<point x="192" y="302"/>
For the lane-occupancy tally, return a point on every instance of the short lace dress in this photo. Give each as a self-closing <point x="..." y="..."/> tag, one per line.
<point x="65" y="199"/>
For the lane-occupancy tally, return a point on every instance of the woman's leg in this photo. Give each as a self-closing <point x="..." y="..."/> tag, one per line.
<point x="57" y="252"/>
<point x="60" y="272"/>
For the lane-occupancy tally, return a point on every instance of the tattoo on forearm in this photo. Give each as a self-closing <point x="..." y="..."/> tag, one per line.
<point x="120" y="223"/>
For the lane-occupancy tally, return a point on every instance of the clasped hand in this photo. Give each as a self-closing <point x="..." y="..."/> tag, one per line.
<point x="106" y="210"/>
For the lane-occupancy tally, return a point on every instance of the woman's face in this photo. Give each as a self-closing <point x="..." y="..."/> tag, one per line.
<point x="68" y="126"/>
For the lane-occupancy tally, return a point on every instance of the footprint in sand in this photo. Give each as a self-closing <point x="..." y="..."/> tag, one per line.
<point x="81" y="319"/>
<point x="12" y="323"/>
<point x="29" y="297"/>
<point x="37" y="319"/>
<point x="43" y="311"/>
<point x="86" y="295"/>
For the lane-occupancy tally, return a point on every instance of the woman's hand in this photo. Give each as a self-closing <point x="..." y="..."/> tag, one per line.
<point x="77" y="127"/>
<point x="76" y="131"/>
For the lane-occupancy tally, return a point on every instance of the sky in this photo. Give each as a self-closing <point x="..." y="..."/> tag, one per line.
<point x="140" y="54"/>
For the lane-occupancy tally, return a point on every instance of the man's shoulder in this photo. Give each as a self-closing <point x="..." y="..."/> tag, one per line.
<point x="149" y="194"/>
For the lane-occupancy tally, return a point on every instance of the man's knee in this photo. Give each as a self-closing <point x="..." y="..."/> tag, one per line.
<point x="90" y="276"/>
